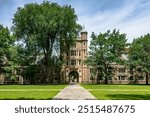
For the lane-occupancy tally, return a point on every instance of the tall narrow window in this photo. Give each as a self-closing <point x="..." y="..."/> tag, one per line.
<point x="84" y="51"/>
<point x="73" y="53"/>
<point x="73" y="62"/>
<point x="67" y="62"/>
<point x="79" y="53"/>
<point x="91" y="70"/>
<point x="67" y="53"/>
<point x="79" y="62"/>
<point x="74" y="46"/>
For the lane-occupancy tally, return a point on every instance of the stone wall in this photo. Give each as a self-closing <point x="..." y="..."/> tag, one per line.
<point x="2" y="79"/>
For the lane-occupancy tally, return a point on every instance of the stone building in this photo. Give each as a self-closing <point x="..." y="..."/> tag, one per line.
<point x="75" y="69"/>
<point x="123" y="75"/>
<point x="2" y="79"/>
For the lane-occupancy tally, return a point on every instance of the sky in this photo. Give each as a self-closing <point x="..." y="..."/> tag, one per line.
<point x="131" y="17"/>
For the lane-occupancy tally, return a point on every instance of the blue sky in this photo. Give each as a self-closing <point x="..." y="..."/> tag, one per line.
<point x="129" y="16"/>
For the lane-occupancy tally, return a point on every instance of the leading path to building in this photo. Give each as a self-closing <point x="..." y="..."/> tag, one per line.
<point x="74" y="92"/>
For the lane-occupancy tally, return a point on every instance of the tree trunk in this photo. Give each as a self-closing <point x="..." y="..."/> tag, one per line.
<point x="106" y="80"/>
<point x="61" y="58"/>
<point x="47" y="74"/>
<point x="48" y="68"/>
<point x="147" y="78"/>
<point x="106" y="74"/>
<point x="98" y="77"/>
<point x="132" y="74"/>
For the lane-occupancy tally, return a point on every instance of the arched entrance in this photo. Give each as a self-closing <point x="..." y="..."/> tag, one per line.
<point x="74" y="76"/>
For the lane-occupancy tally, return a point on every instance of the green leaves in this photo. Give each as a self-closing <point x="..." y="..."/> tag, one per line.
<point x="45" y="29"/>
<point x="5" y="40"/>
<point x="105" y="49"/>
<point x="139" y="53"/>
<point x="108" y="46"/>
<point x="7" y="52"/>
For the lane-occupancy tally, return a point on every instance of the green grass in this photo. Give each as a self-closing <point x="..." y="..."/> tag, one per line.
<point x="32" y="86"/>
<point x="29" y="92"/>
<point x="119" y="92"/>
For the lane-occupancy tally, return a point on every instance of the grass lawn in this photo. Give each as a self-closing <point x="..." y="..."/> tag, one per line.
<point x="29" y="92"/>
<point x="119" y="92"/>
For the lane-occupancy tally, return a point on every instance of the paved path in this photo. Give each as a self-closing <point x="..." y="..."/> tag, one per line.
<point x="74" y="92"/>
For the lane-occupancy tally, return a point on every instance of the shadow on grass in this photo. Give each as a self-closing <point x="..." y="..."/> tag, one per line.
<point x="22" y="98"/>
<point x="129" y="97"/>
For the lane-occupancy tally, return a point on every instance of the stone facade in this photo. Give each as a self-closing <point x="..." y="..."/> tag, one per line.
<point x="2" y="79"/>
<point x="75" y="69"/>
<point x="123" y="75"/>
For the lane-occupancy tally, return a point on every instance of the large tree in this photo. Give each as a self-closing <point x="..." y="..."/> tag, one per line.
<point x="48" y="28"/>
<point x="7" y="52"/>
<point x="139" y="54"/>
<point x="4" y="46"/>
<point x="105" y="49"/>
<point x="5" y="41"/>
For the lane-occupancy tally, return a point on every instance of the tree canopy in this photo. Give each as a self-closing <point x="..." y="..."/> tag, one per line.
<point x="105" y="49"/>
<point x="7" y="52"/>
<point x="5" y="41"/>
<point x="139" y="54"/>
<point x="48" y="28"/>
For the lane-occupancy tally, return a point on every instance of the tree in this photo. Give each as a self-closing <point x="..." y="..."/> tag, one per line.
<point x="48" y="28"/>
<point x="7" y="52"/>
<point x="139" y="54"/>
<point x="105" y="49"/>
<point x="4" y="46"/>
<point x="5" y="41"/>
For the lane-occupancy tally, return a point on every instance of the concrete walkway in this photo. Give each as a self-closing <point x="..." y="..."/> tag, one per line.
<point x="74" y="92"/>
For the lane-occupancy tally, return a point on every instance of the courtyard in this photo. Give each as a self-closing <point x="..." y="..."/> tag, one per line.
<point x="29" y="92"/>
<point x="101" y="92"/>
<point x="119" y="92"/>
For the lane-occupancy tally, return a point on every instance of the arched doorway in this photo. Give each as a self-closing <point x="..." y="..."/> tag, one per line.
<point x="74" y="76"/>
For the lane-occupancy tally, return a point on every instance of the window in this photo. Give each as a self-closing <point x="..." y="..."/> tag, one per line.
<point x="84" y="51"/>
<point x="79" y="62"/>
<point x="141" y="78"/>
<point x="121" y="77"/>
<point x="131" y="78"/>
<point x="91" y="70"/>
<point x="131" y="72"/>
<point x="73" y="53"/>
<point x="122" y="70"/>
<point x="67" y="53"/>
<point x="67" y="62"/>
<point x="73" y="62"/>
<point x="79" y="53"/>
<point x="74" y="46"/>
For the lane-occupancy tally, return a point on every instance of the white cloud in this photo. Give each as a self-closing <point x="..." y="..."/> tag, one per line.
<point x="126" y="18"/>
<point x="132" y="17"/>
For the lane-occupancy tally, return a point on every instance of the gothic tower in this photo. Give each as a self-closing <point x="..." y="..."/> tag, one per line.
<point x="75" y="69"/>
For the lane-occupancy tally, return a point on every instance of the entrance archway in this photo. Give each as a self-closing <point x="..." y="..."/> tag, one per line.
<point x="74" y="76"/>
